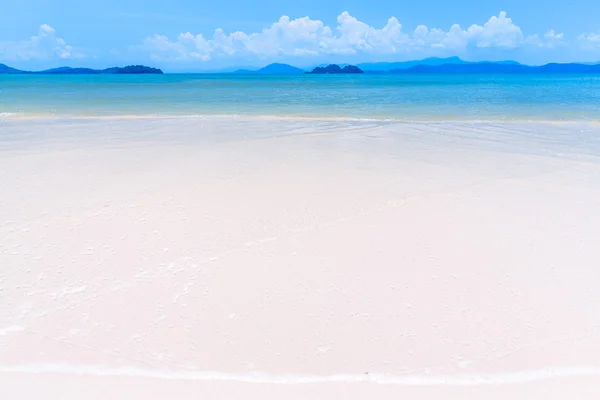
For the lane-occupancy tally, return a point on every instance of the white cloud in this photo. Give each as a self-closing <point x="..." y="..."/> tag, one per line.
<point x="551" y="35"/>
<point x="550" y="40"/>
<point x="497" y="32"/>
<point x="308" y="37"/>
<point x="46" y="45"/>
<point x="589" y="41"/>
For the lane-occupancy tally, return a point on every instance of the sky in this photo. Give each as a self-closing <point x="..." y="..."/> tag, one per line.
<point x="195" y="35"/>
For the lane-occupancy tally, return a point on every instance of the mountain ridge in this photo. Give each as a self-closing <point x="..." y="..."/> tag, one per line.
<point x="432" y="61"/>
<point x="440" y="65"/>
<point x="450" y="65"/>
<point x="491" y="68"/>
<point x="273" y="69"/>
<point x="129" y="69"/>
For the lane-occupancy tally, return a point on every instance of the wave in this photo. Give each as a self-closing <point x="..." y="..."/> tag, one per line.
<point x="502" y="378"/>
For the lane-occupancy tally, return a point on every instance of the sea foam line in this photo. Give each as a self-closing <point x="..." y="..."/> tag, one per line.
<point x="503" y="378"/>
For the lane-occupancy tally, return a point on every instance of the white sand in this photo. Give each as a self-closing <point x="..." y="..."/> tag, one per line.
<point x="259" y="258"/>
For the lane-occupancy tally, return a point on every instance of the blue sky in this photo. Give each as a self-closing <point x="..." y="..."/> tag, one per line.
<point x="185" y="35"/>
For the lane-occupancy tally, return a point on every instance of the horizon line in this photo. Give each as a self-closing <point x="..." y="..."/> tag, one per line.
<point x="233" y="68"/>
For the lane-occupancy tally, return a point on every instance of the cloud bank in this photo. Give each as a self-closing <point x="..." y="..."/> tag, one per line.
<point x="46" y="45"/>
<point x="305" y="37"/>
<point x="589" y="41"/>
<point x="308" y="41"/>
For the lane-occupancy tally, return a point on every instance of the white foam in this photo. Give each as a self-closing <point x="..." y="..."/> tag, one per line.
<point x="503" y="378"/>
<point x="68" y="291"/>
<point x="10" y="329"/>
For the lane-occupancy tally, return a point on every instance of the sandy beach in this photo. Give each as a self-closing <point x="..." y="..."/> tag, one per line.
<point x="280" y="258"/>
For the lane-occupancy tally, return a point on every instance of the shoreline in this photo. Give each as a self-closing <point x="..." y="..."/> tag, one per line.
<point x="260" y="377"/>
<point x="267" y="117"/>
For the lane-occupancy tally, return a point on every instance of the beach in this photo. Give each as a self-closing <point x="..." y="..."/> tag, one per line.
<point x="281" y="257"/>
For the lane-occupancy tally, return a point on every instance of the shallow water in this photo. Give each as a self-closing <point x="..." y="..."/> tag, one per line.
<point x="407" y="97"/>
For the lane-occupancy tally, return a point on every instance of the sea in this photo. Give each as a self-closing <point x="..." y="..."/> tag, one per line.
<point x="369" y="96"/>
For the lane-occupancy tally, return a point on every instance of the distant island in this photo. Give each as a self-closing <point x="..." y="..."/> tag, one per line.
<point x="497" y="68"/>
<point x="433" y="65"/>
<point x="336" y="69"/>
<point x="432" y="61"/>
<point x="286" y="69"/>
<point x="130" y="69"/>
<point x="273" y="69"/>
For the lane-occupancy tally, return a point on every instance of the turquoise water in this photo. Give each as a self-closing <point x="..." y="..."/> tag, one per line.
<point x="566" y="97"/>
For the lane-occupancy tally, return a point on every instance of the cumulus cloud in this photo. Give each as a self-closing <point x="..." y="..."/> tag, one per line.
<point x="550" y="40"/>
<point x="308" y="37"/>
<point x="589" y="41"/>
<point x="46" y="45"/>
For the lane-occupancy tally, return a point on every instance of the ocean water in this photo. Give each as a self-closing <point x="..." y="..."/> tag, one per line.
<point x="405" y="97"/>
